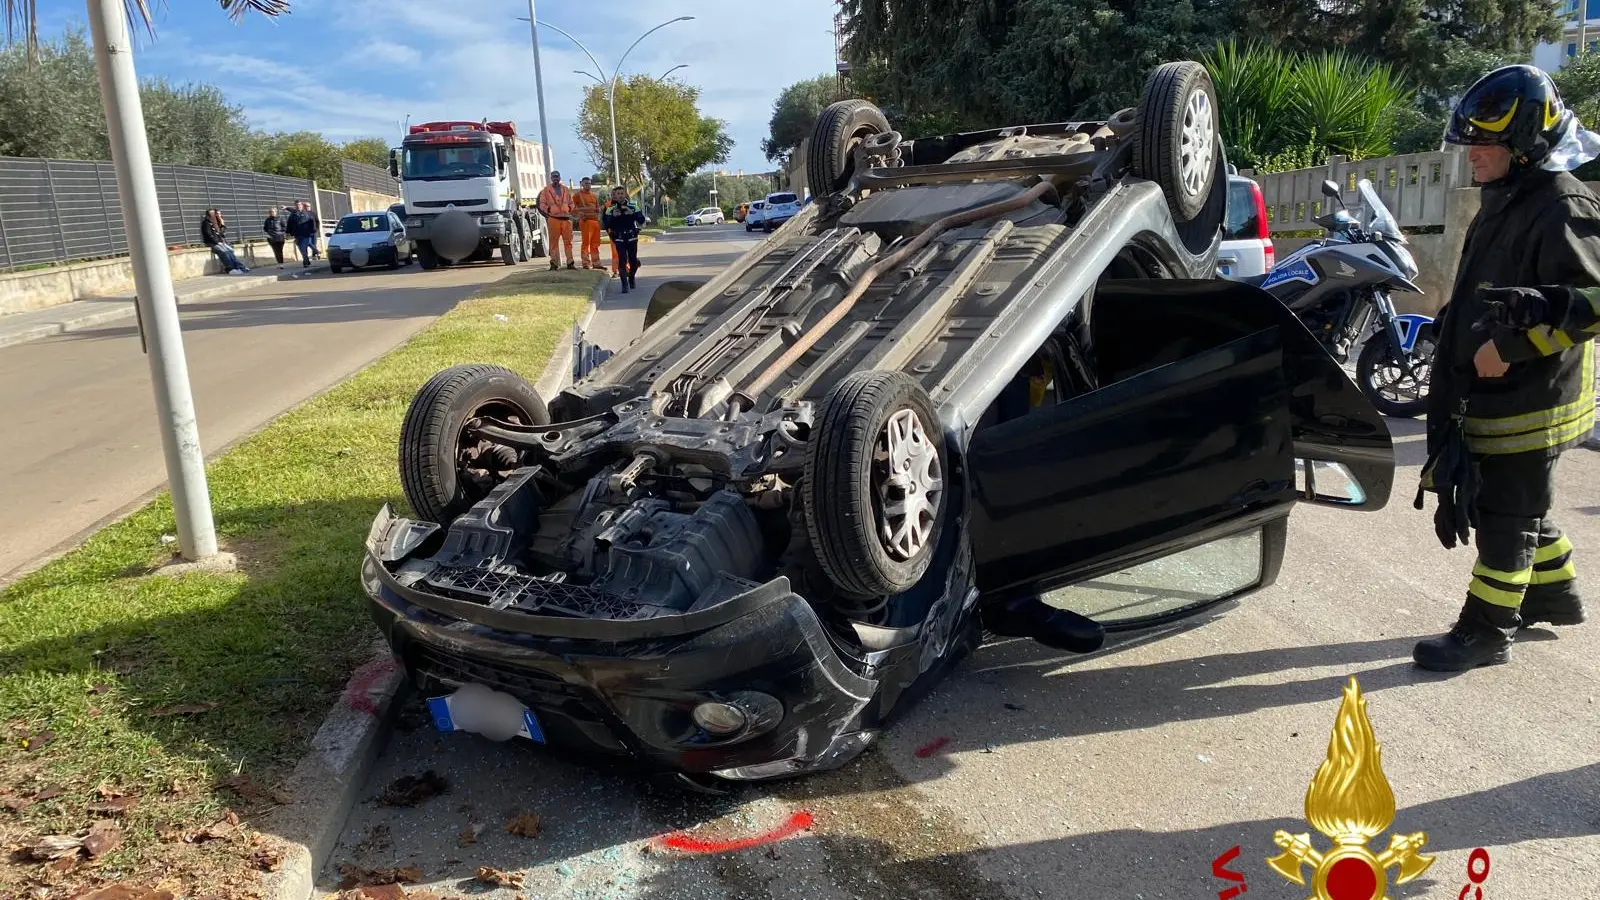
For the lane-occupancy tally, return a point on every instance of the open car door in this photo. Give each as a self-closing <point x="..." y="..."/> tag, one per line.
<point x="1211" y="398"/>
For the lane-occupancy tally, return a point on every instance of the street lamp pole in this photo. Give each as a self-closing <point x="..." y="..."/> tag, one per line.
<point x="538" y="86"/>
<point x="152" y="276"/>
<point x="611" y="89"/>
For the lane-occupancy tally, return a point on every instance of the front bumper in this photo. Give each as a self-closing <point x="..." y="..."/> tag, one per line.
<point x="626" y="688"/>
<point x="355" y="257"/>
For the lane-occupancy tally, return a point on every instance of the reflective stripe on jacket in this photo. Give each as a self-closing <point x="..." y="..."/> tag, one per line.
<point x="1535" y="228"/>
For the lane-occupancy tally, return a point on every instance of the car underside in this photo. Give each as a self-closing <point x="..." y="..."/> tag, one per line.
<point x="980" y="367"/>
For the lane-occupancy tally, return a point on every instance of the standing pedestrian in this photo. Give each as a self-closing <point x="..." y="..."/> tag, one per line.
<point x="623" y="221"/>
<point x="1505" y="402"/>
<point x="555" y="203"/>
<point x="214" y="234"/>
<point x="275" y="227"/>
<point x="303" y="227"/>
<point x="586" y="207"/>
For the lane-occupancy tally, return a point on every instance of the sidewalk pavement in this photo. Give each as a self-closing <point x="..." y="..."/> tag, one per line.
<point x="19" y="328"/>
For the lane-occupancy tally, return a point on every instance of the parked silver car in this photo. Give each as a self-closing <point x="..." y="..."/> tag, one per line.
<point x="1246" y="250"/>
<point x="375" y="238"/>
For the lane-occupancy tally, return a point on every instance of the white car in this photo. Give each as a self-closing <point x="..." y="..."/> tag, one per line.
<point x="708" y="216"/>
<point x="753" y="218"/>
<point x="778" y="209"/>
<point x="1246" y="250"/>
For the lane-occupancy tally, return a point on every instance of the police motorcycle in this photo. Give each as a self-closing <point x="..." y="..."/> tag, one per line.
<point x="1339" y="287"/>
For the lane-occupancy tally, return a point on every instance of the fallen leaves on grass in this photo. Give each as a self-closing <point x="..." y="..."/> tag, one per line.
<point x="100" y="688"/>
<point x="50" y="792"/>
<point x="224" y="829"/>
<point x="352" y="876"/>
<point x="32" y="742"/>
<point x="489" y="875"/>
<point x="121" y="891"/>
<point x="14" y="803"/>
<point x="383" y="892"/>
<point x="54" y="846"/>
<point x="115" y="806"/>
<point x="252" y="792"/>
<point x="410" y="790"/>
<point x="525" y="825"/>
<point x="183" y="709"/>
<point x="104" y="836"/>
<point x="54" y="871"/>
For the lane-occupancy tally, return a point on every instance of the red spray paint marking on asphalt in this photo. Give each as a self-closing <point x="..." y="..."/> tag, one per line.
<point x="932" y="747"/>
<point x="684" y="843"/>
<point x="357" y="692"/>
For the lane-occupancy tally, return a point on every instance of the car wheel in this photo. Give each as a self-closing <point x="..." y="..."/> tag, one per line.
<point x="335" y="269"/>
<point x="427" y="257"/>
<point x="508" y="253"/>
<point x="841" y="127"/>
<point x="1177" y="143"/>
<point x="441" y="473"/>
<point x="874" y="484"/>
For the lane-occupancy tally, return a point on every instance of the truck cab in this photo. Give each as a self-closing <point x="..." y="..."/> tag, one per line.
<point x="462" y="195"/>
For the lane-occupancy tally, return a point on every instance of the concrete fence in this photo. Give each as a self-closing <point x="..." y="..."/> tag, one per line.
<point x="1414" y="186"/>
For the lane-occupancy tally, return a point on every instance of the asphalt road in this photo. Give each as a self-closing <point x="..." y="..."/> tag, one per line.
<point x="79" y="442"/>
<point x="1123" y="774"/>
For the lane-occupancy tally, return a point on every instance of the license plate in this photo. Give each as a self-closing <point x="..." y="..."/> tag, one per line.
<point x="1226" y="270"/>
<point x="447" y="719"/>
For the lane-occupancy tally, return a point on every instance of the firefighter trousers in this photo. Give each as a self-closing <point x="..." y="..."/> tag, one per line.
<point x="1521" y="551"/>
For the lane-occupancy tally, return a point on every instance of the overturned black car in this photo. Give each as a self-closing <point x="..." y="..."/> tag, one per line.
<point x="979" y="367"/>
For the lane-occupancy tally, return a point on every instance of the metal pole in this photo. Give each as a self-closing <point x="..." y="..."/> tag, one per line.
<point x="152" y="275"/>
<point x="538" y="86"/>
<point x="616" y="149"/>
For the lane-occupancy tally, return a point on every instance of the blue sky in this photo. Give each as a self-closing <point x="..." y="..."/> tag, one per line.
<point x="357" y="68"/>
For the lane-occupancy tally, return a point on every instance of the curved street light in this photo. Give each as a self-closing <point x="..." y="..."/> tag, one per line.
<point x="611" y="87"/>
<point x="671" y="70"/>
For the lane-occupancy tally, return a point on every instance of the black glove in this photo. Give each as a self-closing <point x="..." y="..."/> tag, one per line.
<point x="1451" y="473"/>
<point x="1517" y="307"/>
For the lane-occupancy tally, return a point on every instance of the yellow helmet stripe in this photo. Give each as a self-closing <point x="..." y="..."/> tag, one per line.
<point x="1552" y="114"/>
<point x="1500" y="123"/>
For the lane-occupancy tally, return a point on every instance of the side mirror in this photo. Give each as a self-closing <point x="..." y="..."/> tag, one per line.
<point x="394" y="163"/>
<point x="1330" y="190"/>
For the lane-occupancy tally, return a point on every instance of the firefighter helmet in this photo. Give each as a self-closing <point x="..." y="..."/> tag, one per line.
<point x="1516" y="107"/>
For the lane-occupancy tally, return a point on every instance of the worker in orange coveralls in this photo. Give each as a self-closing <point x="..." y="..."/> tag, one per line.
<point x="555" y="203"/>
<point x="586" y="208"/>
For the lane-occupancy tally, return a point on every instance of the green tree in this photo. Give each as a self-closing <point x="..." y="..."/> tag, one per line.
<point x="795" y="113"/>
<point x="195" y="125"/>
<point x="660" y="131"/>
<point x="374" y="151"/>
<point x="301" y="154"/>
<point x="732" y="190"/>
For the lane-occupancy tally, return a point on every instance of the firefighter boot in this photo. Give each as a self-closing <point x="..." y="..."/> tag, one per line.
<point x="1031" y="617"/>
<point x="1553" y="604"/>
<point x="1481" y="637"/>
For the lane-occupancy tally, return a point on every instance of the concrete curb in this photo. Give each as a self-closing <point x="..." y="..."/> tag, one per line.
<point x="125" y="310"/>
<point x="557" y="372"/>
<point x="327" y="782"/>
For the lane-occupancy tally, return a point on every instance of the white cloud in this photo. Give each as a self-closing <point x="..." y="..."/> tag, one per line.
<point x="313" y="70"/>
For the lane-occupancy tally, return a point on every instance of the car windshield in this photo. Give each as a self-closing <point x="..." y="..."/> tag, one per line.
<point x="359" y="224"/>
<point x="782" y="198"/>
<point x="449" y="161"/>
<point x="1241" y="219"/>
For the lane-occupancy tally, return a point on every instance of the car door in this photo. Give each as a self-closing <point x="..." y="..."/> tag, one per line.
<point x="1209" y="394"/>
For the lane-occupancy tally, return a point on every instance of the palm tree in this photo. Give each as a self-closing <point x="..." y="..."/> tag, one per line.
<point x="152" y="273"/>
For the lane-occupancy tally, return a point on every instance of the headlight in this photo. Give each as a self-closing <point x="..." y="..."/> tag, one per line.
<point x="493" y="219"/>
<point x="414" y="222"/>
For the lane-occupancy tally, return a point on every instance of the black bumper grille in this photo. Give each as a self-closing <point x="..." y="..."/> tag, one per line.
<point x="435" y="666"/>
<point x="502" y="590"/>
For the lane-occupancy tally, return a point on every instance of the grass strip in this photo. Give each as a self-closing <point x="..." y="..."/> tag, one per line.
<point x="117" y="684"/>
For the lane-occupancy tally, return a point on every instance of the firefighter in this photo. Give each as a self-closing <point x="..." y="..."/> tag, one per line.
<point x="586" y="208"/>
<point x="555" y="203"/>
<point x="1506" y="401"/>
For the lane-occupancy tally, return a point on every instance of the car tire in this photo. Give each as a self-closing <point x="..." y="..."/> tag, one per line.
<point x="1177" y="140"/>
<point x="831" y="159"/>
<point x="432" y="468"/>
<point x="427" y="257"/>
<point x="508" y="253"/>
<point x="335" y="269"/>
<point x="846" y="481"/>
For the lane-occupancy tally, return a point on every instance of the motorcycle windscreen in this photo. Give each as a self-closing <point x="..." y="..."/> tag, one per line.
<point x="1210" y="390"/>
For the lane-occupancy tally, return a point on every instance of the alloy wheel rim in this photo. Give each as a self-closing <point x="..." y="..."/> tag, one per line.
<point x="910" y="483"/>
<point x="1197" y="142"/>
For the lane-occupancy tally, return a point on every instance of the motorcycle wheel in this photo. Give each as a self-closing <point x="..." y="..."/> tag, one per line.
<point x="1386" y="385"/>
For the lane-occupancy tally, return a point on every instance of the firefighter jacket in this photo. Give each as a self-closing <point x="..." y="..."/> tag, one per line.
<point x="586" y="205"/>
<point x="1534" y="228"/>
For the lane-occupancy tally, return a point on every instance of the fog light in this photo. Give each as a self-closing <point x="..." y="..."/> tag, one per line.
<point x="719" y="718"/>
